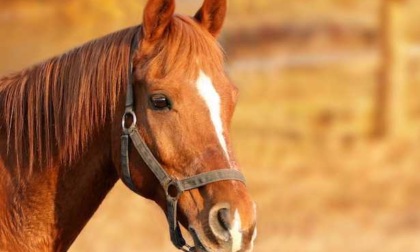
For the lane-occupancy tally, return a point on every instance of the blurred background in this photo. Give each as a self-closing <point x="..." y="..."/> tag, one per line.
<point x="327" y="128"/>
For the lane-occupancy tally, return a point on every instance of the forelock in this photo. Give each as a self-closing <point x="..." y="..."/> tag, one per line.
<point x="187" y="47"/>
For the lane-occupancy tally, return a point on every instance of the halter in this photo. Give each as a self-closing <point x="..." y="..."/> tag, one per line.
<point x="173" y="187"/>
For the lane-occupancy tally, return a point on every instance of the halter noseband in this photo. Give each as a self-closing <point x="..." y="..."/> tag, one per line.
<point x="172" y="186"/>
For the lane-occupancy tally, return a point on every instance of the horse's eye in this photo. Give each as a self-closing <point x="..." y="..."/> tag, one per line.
<point x="160" y="102"/>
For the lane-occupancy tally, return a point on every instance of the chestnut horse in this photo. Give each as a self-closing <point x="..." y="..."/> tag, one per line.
<point x="60" y="135"/>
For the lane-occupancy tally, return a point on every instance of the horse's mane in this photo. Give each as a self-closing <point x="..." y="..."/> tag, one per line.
<point x="51" y="109"/>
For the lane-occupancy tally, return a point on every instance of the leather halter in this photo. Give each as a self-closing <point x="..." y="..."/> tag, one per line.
<point x="173" y="187"/>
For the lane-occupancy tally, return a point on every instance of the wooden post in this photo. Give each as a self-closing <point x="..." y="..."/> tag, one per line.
<point x="391" y="116"/>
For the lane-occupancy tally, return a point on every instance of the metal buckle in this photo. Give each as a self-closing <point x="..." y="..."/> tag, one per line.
<point x="187" y="248"/>
<point x="133" y="123"/>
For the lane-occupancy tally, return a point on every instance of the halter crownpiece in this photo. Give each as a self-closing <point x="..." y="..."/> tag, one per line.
<point x="173" y="187"/>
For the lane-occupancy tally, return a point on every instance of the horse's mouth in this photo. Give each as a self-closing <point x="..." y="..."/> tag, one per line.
<point x="198" y="244"/>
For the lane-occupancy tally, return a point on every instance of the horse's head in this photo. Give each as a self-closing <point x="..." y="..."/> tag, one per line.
<point x="184" y="104"/>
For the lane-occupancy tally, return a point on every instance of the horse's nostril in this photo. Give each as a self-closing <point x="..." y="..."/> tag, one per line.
<point x="223" y="215"/>
<point x="220" y="221"/>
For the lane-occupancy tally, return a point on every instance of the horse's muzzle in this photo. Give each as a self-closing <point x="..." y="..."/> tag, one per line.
<point x="224" y="232"/>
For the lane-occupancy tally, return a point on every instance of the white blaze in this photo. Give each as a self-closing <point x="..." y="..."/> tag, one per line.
<point x="235" y="233"/>
<point x="211" y="97"/>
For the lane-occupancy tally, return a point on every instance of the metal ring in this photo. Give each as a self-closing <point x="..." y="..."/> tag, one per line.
<point x="178" y="190"/>
<point x="133" y="124"/>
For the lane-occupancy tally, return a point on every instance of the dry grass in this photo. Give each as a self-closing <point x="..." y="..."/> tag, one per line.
<point x="301" y="134"/>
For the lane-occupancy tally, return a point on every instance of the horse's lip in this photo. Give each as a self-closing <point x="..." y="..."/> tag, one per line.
<point x="198" y="245"/>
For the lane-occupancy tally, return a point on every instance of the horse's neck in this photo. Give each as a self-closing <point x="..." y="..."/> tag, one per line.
<point x="49" y="211"/>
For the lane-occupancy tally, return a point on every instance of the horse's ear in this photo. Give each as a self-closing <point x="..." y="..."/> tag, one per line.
<point x="156" y="18"/>
<point x="212" y="15"/>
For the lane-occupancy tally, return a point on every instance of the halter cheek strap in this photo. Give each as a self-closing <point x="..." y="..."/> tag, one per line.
<point x="173" y="187"/>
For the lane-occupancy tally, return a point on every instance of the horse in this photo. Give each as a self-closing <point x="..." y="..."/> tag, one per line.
<point x="63" y="145"/>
